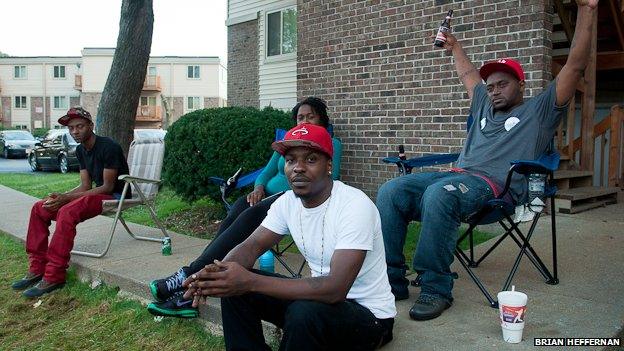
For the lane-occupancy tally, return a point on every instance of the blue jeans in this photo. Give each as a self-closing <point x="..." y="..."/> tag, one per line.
<point x="440" y="201"/>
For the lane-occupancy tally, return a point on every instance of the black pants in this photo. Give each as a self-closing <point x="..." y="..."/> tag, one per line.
<point x="307" y="325"/>
<point x="237" y="226"/>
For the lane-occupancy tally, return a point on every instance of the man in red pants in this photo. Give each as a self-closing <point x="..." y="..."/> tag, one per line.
<point x="101" y="160"/>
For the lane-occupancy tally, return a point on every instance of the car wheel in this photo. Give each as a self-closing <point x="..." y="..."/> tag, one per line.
<point x="32" y="161"/>
<point x="5" y="153"/>
<point x="63" y="166"/>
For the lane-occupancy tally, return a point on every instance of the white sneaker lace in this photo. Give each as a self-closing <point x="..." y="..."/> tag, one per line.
<point x="176" y="280"/>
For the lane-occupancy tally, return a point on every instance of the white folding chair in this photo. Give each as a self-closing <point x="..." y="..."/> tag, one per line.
<point x="145" y="160"/>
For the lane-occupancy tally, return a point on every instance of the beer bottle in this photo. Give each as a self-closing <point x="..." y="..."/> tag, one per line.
<point x="440" y="38"/>
<point x="402" y="153"/>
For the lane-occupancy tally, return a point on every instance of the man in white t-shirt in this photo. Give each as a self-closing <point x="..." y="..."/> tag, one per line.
<point x="347" y="303"/>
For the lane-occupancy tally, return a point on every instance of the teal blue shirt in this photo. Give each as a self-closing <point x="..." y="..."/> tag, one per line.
<point x="274" y="179"/>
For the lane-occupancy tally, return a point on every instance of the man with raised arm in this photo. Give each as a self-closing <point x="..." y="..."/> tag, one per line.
<point x="346" y="304"/>
<point x="506" y="127"/>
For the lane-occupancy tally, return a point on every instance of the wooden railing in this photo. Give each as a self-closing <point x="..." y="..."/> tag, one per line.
<point x="609" y="129"/>
<point x="152" y="83"/>
<point x="149" y="114"/>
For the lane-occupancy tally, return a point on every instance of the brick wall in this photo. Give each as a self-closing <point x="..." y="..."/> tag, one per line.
<point x="6" y="111"/>
<point x="177" y="108"/>
<point x="374" y="63"/>
<point x="36" y="102"/>
<point x="90" y="102"/>
<point x="210" y="102"/>
<point x="243" y="64"/>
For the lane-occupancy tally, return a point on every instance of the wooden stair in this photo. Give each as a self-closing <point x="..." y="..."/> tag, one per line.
<point x="584" y="198"/>
<point x="576" y="192"/>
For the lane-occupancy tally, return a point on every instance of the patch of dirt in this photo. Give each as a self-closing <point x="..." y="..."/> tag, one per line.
<point x="200" y="222"/>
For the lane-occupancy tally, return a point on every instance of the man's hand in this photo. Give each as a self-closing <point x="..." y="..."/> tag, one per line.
<point x="591" y="3"/>
<point x="256" y="195"/>
<point x="54" y="201"/>
<point x="220" y="279"/>
<point x="450" y="41"/>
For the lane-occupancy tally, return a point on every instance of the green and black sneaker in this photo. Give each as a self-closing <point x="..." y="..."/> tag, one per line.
<point x="176" y="306"/>
<point x="164" y="289"/>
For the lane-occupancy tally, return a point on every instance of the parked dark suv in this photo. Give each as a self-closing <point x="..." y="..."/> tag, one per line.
<point x="57" y="150"/>
<point x="16" y="143"/>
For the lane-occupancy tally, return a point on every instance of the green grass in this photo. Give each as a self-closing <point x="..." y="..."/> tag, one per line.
<point x="40" y="184"/>
<point x="196" y="219"/>
<point x="80" y="318"/>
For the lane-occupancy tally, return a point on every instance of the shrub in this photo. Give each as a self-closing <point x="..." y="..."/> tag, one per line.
<point x="216" y="142"/>
<point x="40" y="132"/>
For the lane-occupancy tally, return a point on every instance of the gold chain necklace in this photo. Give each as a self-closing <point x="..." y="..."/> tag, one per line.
<point x="305" y="253"/>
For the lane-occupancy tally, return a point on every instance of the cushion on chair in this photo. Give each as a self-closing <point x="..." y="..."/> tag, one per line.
<point x="145" y="160"/>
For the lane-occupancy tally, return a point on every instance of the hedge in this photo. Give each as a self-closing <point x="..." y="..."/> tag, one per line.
<point x="216" y="142"/>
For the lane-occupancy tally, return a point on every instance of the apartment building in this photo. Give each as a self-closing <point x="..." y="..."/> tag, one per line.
<point x="386" y="85"/>
<point x="174" y="85"/>
<point x="24" y="81"/>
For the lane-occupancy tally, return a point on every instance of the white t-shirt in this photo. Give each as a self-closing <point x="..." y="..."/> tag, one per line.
<point x="348" y="219"/>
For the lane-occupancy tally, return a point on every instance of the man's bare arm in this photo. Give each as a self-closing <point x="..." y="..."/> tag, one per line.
<point x="578" y="57"/>
<point x="230" y="278"/>
<point x="466" y="71"/>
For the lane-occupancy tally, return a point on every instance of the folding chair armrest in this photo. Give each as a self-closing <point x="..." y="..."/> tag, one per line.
<point x="544" y="164"/>
<point x="128" y="178"/>
<point x="423" y="161"/>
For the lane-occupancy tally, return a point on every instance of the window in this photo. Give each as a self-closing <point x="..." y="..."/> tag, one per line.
<point x="281" y="29"/>
<point x="20" y="102"/>
<point x="59" y="71"/>
<point x="20" y="126"/>
<point x="20" y="72"/>
<point x="151" y="71"/>
<point x="192" y="103"/>
<point x="193" y="72"/>
<point x="60" y="102"/>
<point x="148" y="101"/>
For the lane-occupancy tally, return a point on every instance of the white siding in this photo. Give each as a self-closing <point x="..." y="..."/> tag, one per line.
<point x="238" y="8"/>
<point x="277" y="76"/>
<point x="95" y="72"/>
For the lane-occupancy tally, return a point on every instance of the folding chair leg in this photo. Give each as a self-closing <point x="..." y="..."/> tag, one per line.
<point x="112" y="231"/>
<point x="555" y="279"/>
<point x="523" y="250"/>
<point x="152" y="213"/>
<point x="493" y="303"/>
<point x="138" y="237"/>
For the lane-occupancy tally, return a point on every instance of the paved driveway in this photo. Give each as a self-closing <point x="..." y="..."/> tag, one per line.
<point x="19" y="165"/>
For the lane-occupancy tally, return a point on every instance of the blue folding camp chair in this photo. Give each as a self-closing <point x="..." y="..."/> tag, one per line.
<point x="499" y="210"/>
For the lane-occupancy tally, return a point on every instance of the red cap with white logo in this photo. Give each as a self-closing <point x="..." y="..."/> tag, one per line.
<point x="308" y="135"/>
<point x="507" y="65"/>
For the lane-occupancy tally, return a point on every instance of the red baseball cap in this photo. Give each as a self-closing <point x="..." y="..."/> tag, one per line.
<point x="308" y="135"/>
<point x="507" y="65"/>
<point x="75" y="112"/>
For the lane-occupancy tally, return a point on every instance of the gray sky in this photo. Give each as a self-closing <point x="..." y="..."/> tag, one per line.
<point x="64" y="27"/>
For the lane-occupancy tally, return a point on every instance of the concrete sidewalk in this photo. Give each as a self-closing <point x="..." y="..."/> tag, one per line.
<point x="587" y="302"/>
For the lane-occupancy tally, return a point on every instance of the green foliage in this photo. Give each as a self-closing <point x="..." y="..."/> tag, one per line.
<point x="39" y="132"/>
<point x="216" y="142"/>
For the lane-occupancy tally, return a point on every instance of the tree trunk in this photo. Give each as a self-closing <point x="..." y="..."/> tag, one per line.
<point x="116" y="114"/>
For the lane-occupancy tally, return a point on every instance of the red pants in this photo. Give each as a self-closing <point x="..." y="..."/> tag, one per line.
<point x="52" y="259"/>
